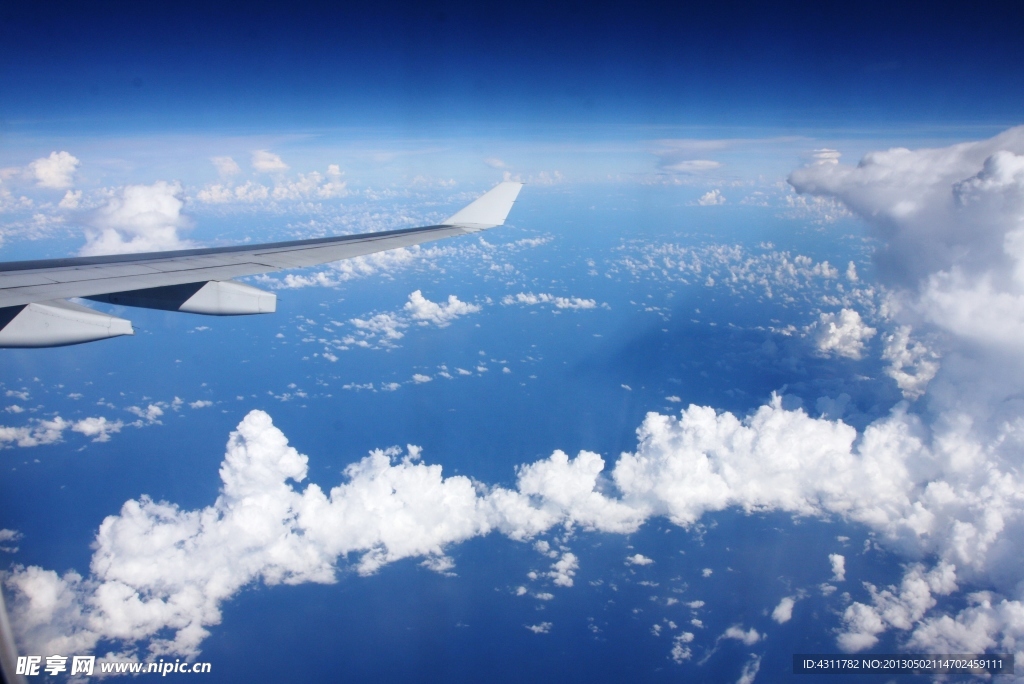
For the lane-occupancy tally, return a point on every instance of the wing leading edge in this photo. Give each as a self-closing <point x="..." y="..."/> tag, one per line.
<point x="33" y="313"/>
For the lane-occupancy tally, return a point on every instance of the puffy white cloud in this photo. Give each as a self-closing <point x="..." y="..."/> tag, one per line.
<point x="531" y="299"/>
<point x="838" y="562"/>
<point x="200" y="403"/>
<point x="843" y="334"/>
<point x="542" y="628"/>
<point x="419" y="378"/>
<point x="424" y="311"/>
<point x="151" y="414"/>
<point x="51" y="431"/>
<point x="943" y="491"/>
<point x="138" y="218"/>
<point x="749" y="637"/>
<point x="226" y="166"/>
<point x="564" y="569"/>
<point x="900" y="607"/>
<point x="55" y="171"/>
<point x="219" y="193"/>
<point x="783" y="612"/>
<point x="711" y="198"/>
<point x="911" y="363"/>
<point x="71" y="199"/>
<point x="681" y="652"/>
<point x="99" y="428"/>
<point x="387" y="325"/>
<point x="638" y="559"/>
<point x="265" y="161"/>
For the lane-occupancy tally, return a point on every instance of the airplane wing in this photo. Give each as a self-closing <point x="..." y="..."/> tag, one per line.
<point x="34" y="311"/>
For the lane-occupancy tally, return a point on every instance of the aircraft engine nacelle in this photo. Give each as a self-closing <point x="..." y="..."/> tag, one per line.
<point x="56" y="324"/>
<point x="213" y="298"/>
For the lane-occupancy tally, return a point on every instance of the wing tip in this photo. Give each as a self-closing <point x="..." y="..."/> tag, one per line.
<point x="490" y="209"/>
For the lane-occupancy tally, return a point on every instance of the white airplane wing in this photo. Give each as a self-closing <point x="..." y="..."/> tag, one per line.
<point x="34" y="311"/>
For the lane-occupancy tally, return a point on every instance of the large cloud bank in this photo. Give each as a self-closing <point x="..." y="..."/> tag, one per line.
<point x="951" y="225"/>
<point x="158" y="569"/>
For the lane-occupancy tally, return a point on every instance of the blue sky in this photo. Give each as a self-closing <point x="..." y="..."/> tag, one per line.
<point x="507" y="68"/>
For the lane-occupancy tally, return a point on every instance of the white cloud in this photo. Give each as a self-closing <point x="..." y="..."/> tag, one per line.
<point x="51" y="431"/>
<point x="749" y="638"/>
<point x="265" y="161"/>
<point x="71" y="199"/>
<point x="542" y="628"/>
<point x="750" y="670"/>
<point x="387" y="325"/>
<point x="843" y="334"/>
<point x="424" y="311"/>
<point x="838" y="562"/>
<point x="99" y="429"/>
<point x="911" y="363"/>
<point x="690" y="165"/>
<point x="950" y="220"/>
<point x="944" y="491"/>
<point x="495" y="163"/>
<point x="638" y="559"/>
<point x="893" y="607"/>
<point x="200" y="403"/>
<point x="564" y="569"/>
<point x="826" y="156"/>
<point x="681" y="652"/>
<point x="226" y="166"/>
<point x="55" y="171"/>
<point x="419" y="378"/>
<point x="151" y="414"/>
<point x="711" y="198"/>
<point x="531" y="299"/>
<point x="138" y="218"/>
<point x="783" y="612"/>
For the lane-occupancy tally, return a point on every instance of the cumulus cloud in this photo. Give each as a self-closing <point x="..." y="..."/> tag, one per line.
<point x="531" y="299"/>
<point x="638" y="559"/>
<point x="307" y="186"/>
<point x="950" y="221"/>
<point x="157" y="567"/>
<point x="952" y="257"/>
<point x="900" y="607"/>
<point x="842" y="334"/>
<point x="783" y="612"/>
<point x="424" y="311"/>
<point x="51" y="431"/>
<point x="748" y="638"/>
<point x="138" y="218"/>
<point x="56" y="171"/>
<point x="564" y="569"/>
<point x="711" y="198"/>
<point x="838" y="562"/>
<point x="912" y="364"/>
<point x="226" y="166"/>
<point x="265" y="161"/>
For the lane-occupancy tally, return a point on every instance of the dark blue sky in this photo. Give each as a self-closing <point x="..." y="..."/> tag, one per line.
<point x="442" y="66"/>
